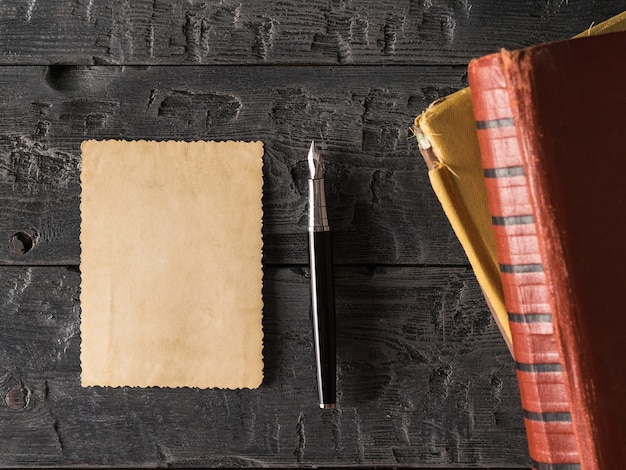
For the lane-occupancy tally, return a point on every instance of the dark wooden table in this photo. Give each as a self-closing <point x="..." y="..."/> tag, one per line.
<point x="425" y="379"/>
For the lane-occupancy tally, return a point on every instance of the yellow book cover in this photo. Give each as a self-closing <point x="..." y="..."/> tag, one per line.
<point x="447" y="139"/>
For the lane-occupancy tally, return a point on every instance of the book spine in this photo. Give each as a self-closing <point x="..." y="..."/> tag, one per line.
<point x="545" y="401"/>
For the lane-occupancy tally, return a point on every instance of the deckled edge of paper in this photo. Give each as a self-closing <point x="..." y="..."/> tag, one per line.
<point x="80" y="240"/>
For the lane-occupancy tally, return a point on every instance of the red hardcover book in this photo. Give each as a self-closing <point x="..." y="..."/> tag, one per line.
<point x="552" y="133"/>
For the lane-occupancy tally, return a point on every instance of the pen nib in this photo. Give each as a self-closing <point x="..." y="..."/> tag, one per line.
<point x="315" y="162"/>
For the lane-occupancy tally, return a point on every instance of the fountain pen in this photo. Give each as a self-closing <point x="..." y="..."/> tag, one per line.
<point x="322" y="283"/>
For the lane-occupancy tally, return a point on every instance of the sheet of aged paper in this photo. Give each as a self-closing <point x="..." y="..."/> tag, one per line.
<point x="171" y="264"/>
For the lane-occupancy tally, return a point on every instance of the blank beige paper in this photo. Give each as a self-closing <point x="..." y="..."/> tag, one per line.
<point x="171" y="268"/>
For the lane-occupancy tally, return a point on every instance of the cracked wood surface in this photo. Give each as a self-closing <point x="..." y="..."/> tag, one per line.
<point x="410" y="388"/>
<point x="381" y="205"/>
<point x="272" y="32"/>
<point x="424" y="376"/>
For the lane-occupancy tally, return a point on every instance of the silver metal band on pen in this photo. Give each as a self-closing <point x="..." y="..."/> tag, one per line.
<point x="318" y="218"/>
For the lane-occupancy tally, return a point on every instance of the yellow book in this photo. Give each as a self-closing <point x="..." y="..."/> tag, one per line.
<point x="446" y="134"/>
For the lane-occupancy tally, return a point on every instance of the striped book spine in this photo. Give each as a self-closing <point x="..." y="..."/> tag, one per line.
<point x="545" y="402"/>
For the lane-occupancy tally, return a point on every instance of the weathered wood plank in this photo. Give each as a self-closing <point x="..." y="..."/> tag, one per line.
<point x="424" y="379"/>
<point x="270" y="32"/>
<point x="382" y="208"/>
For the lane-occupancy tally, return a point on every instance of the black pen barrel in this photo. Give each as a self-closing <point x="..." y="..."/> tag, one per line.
<point x="323" y="304"/>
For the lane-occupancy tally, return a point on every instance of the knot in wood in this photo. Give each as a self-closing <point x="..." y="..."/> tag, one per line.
<point x="17" y="398"/>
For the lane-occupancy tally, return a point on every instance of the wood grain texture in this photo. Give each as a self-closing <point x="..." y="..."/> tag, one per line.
<point x="409" y="389"/>
<point x="382" y="208"/>
<point x="287" y="32"/>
